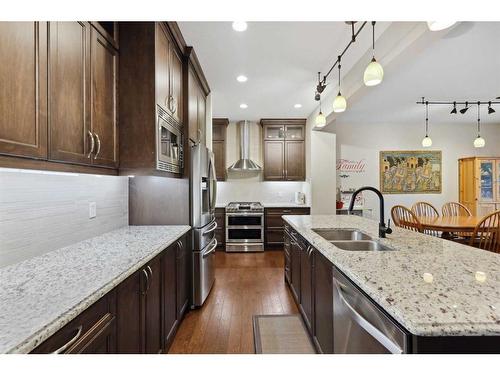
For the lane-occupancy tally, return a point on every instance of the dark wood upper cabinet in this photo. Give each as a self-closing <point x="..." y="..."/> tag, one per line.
<point x="274" y="160"/>
<point x="295" y="169"/>
<point x="104" y="122"/>
<point x="176" y="85"/>
<point x="219" y="147"/>
<point x="70" y="136"/>
<point x="23" y="89"/>
<point x="284" y="149"/>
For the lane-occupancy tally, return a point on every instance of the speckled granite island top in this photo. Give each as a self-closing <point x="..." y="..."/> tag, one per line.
<point x="40" y="295"/>
<point x="462" y="298"/>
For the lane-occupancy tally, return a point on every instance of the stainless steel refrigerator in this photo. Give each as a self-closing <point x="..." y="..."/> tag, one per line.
<point x="203" y="194"/>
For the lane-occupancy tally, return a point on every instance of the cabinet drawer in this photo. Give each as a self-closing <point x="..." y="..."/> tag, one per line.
<point x="274" y="236"/>
<point x="274" y="221"/>
<point x="287" y="211"/>
<point x="93" y="328"/>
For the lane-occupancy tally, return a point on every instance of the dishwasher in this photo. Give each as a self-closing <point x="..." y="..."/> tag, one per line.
<point x="360" y="326"/>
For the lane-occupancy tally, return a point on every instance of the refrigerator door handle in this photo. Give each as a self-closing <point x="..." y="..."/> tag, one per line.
<point x="212" y="183"/>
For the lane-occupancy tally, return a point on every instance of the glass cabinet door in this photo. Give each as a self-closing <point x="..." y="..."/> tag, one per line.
<point x="294" y="132"/>
<point x="274" y="132"/>
<point x="487" y="176"/>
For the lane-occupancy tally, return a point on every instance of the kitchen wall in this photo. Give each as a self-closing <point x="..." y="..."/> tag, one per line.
<point x="249" y="186"/>
<point x="43" y="211"/>
<point x="363" y="142"/>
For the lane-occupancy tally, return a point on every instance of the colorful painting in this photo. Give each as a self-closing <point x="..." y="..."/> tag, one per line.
<point x="407" y="172"/>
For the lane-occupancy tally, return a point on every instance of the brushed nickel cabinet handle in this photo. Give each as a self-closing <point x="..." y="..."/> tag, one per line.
<point x="147" y="281"/>
<point x="92" y="144"/>
<point x="98" y="145"/>
<point x="70" y="342"/>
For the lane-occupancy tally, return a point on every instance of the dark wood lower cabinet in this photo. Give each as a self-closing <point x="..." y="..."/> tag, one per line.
<point x="323" y="303"/>
<point x="140" y="315"/>
<point x="295" y="265"/>
<point x="274" y="224"/>
<point x="306" y="285"/>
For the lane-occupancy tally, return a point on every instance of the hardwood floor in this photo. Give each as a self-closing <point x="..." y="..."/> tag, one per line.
<point x="245" y="285"/>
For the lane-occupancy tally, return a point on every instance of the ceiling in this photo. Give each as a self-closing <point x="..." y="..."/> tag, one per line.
<point x="459" y="65"/>
<point x="280" y="59"/>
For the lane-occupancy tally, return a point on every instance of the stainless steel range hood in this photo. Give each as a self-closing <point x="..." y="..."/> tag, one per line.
<point x="244" y="163"/>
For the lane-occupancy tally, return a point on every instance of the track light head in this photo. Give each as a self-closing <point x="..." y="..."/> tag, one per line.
<point x="463" y="110"/>
<point x="490" y="110"/>
<point x="454" y="110"/>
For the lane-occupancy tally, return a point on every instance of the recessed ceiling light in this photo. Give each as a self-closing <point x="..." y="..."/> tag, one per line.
<point x="297" y="105"/>
<point x="439" y="25"/>
<point x="242" y="78"/>
<point x="243" y="106"/>
<point x="239" y="25"/>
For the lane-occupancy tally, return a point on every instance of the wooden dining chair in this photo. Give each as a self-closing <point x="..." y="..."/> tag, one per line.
<point x="426" y="209"/>
<point x="455" y="209"/>
<point x="405" y="218"/>
<point x="486" y="235"/>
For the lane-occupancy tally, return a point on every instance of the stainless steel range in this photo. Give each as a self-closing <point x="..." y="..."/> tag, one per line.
<point x="244" y="227"/>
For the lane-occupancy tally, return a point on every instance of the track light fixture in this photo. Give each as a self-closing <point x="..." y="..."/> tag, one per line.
<point x="463" y="110"/>
<point x="479" y="141"/>
<point x="490" y="110"/>
<point x="454" y="110"/>
<point x="426" y="141"/>
<point x="374" y="73"/>
<point x="320" y="121"/>
<point x="339" y="103"/>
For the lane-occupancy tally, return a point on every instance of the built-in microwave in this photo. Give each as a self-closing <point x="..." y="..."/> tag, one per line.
<point x="170" y="143"/>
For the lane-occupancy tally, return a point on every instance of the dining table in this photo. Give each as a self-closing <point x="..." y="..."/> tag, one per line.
<point x="449" y="224"/>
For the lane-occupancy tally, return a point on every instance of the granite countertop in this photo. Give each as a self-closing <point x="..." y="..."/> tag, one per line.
<point x="459" y="296"/>
<point x="270" y="205"/>
<point x="40" y="295"/>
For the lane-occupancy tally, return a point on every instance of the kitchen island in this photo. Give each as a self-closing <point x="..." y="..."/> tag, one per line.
<point x="445" y="295"/>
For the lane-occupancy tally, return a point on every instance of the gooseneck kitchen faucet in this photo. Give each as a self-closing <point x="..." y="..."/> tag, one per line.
<point x="382" y="229"/>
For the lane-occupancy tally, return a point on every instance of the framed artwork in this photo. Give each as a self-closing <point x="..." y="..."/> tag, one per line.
<point x="410" y="172"/>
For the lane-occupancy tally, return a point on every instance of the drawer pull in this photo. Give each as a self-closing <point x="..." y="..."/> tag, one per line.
<point x="287" y="211"/>
<point x="70" y="342"/>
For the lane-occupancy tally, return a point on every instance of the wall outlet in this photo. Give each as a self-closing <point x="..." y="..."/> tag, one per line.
<point x="92" y="210"/>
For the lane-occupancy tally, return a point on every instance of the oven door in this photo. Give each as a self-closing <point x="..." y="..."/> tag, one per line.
<point x="170" y="146"/>
<point x="244" y="227"/>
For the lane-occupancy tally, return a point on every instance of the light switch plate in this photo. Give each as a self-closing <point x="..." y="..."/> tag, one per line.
<point x="92" y="210"/>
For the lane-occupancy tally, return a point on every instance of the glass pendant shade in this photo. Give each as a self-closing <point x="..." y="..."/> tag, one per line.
<point x="320" y="120"/>
<point x="479" y="142"/>
<point x="339" y="104"/>
<point x="427" y="141"/>
<point x="374" y="73"/>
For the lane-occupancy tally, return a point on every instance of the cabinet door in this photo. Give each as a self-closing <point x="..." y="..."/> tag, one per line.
<point x="306" y="292"/>
<point x="294" y="132"/>
<point x="104" y="62"/>
<point x="288" y="254"/>
<point x="218" y="132"/>
<point x="295" y="285"/>
<point x="162" y="67"/>
<point x="323" y="304"/>
<point x="202" y="103"/>
<point x="130" y="315"/>
<point x="23" y="89"/>
<point x="294" y="161"/>
<point x="274" y="132"/>
<point x="219" y="150"/>
<point x="274" y="160"/>
<point x="69" y="92"/>
<point x="176" y="84"/>
<point x="153" y="307"/>
<point x="193" y="107"/>
<point x="169" y="294"/>
<point x="486" y="180"/>
<point x="182" y="283"/>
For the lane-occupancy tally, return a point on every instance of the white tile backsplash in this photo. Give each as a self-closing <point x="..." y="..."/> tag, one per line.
<point x="260" y="191"/>
<point x="43" y="211"/>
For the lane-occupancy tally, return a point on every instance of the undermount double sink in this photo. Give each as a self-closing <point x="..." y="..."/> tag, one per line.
<point x="351" y="240"/>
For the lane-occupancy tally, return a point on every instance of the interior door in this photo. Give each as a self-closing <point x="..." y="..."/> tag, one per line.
<point x="69" y="92"/>
<point x="104" y="100"/>
<point x="23" y="89"/>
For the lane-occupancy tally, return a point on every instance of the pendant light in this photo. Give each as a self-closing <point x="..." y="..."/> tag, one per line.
<point x="320" y="118"/>
<point x="426" y="141"/>
<point x="374" y="73"/>
<point x="339" y="104"/>
<point x="479" y="141"/>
